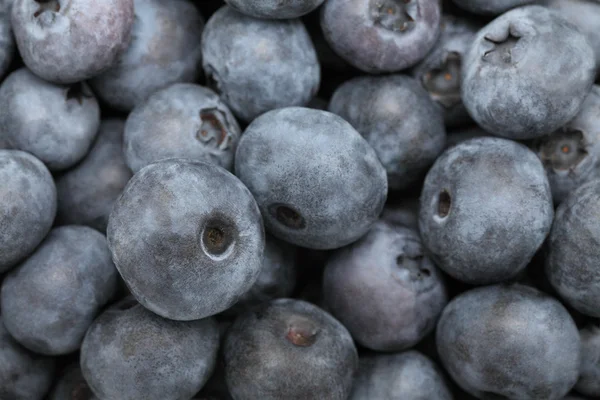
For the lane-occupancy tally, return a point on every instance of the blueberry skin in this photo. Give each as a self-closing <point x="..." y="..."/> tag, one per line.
<point x="289" y="349"/>
<point x="490" y="7"/>
<point x="187" y="238"/>
<point x="164" y="49"/>
<point x="7" y="40"/>
<point x="463" y="134"/>
<point x="317" y="182"/>
<point x="23" y="374"/>
<point x="51" y="299"/>
<point x="398" y="119"/>
<point x="130" y="353"/>
<point x="70" y="41"/>
<point x="87" y="192"/>
<point x="28" y="199"/>
<point x="486" y="208"/>
<point x="406" y="376"/>
<point x="183" y="120"/>
<point x="65" y="124"/>
<point x="440" y="71"/>
<point x="509" y="340"/>
<point x="509" y="74"/>
<point x="589" y="375"/>
<point x="274" y="9"/>
<point x="573" y="252"/>
<point x="384" y="290"/>
<point x="72" y="386"/>
<point x="571" y="155"/>
<point x="259" y="65"/>
<point x="370" y="37"/>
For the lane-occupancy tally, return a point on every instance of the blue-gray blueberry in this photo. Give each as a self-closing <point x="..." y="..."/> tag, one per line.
<point x="275" y="9"/>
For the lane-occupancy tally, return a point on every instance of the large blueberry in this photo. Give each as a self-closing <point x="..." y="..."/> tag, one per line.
<point x="573" y="251"/>
<point x="259" y="65"/>
<point x="23" y="374"/>
<point x="384" y="288"/>
<point x="7" y="40"/>
<point x="187" y="238"/>
<point x="67" y="41"/>
<point x="317" y="182"/>
<point x="571" y="155"/>
<point x="28" y="198"/>
<point x="404" y="376"/>
<point x="165" y="49"/>
<point x="381" y="35"/>
<point x="509" y="83"/>
<point x="486" y="208"/>
<point x="87" y="192"/>
<point x="398" y="119"/>
<point x="72" y="386"/>
<point x="130" y="353"/>
<point x="55" y="123"/>
<point x="275" y="9"/>
<point x="51" y="299"/>
<point x="289" y="349"/>
<point x="183" y="120"/>
<point x="509" y="342"/>
<point x="490" y="7"/>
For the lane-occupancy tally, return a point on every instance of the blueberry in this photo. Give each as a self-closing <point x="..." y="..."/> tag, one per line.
<point x="55" y="123"/>
<point x="317" y="182"/>
<point x="130" y="353"/>
<point x="573" y="252"/>
<point x="183" y="120"/>
<point x="381" y="35"/>
<point x="187" y="238"/>
<point x="165" y="49"/>
<point x="7" y="41"/>
<point x="486" y="208"/>
<point x="72" y="386"/>
<point x="407" y="376"/>
<point x="571" y="155"/>
<point x="463" y="134"/>
<point x="67" y="41"/>
<point x="397" y="117"/>
<point x="289" y="349"/>
<point x="589" y="375"/>
<point x="384" y="289"/>
<point x="490" y="7"/>
<point x="509" y="83"/>
<point x="87" y="192"/>
<point x="440" y="71"/>
<point x="259" y="65"/>
<point x="28" y="199"/>
<point x="509" y="342"/>
<point x="51" y="299"/>
<point x="275" y="9"/>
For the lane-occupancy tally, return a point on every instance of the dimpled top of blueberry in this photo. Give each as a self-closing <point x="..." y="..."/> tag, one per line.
<point x="509" y="74"/>
<point x="509" y="342"/>
<point x="486" y="208"/>
<point x="490" y="7"/>
<point x="573" y="251"/>
<point x="406" y="376"/>
<point x="165" y="49"/>
<point x="130" y="353"/>
<point x="589" y="375"/>
<point x="258" y="65"/>
<point x="275" y="9"/>
<point x="317" y="182"/>
<point x="384" y="288"/>
<point x="571" y="155"/>
<point x="381" y="35"/>
<point x="185" y="249"/>
<point x="7" y="40"/>
<point x="72" y="386"/>
<point x="289" y="349"/>
<point x="28" y="198"/>
<point x="55" y="123"/>
<point x="398" y="119"/>
<point x="50" y="300"/>
<point x="23" y="374"/>
<point x="87" y="192"/>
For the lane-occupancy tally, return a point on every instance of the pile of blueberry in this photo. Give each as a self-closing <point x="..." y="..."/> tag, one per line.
<point x="299" y="199"/>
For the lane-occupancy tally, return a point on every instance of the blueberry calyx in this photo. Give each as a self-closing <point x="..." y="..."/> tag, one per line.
<point x="78" y="92"/>
<point x="563" y="150"/>
<point x="443" y="82"/>
<point x="502" y="50"/>
<point x="444" y="204"/>
<point x="213" y="127"/>
<point x="394" y="15"/>
<point x="288" y="217"/>
<point x="47" y="5"/>
<point x="302" y="333"/>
